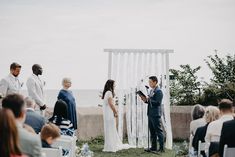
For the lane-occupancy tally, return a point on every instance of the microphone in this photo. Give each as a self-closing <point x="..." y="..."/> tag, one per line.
<point x="147" y="87"/>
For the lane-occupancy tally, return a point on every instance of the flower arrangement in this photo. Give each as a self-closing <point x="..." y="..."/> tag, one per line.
<point x="84" y="151"/>
<point x="180" y="149"/>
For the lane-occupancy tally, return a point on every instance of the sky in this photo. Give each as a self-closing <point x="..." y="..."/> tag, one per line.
<point x="67" y="37"/>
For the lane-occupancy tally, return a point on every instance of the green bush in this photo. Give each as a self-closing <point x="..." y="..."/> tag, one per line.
<point x="223" y="81"/>
<point x="184" y="89"/>
<point x="212" y="93"/>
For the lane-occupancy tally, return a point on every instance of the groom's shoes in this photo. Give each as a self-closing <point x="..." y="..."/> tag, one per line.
<point x="161" y="150"/>
<point x="148" y="149"/>
<point x="151" y="150"/>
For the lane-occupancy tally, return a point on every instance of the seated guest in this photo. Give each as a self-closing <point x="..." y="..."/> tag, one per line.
<point x="30" y="144"/>
<point x="29" y="128"/>
<point x="33" y="119"/>
<point x="197" y="120"/>
<point x="212" y="113"/>
<point x="227" y="135"/>
<point x="50" y="132"/>
<point x="214" y="128"/>
<point x="60" y="118"/>
<point x="9" y="143"/>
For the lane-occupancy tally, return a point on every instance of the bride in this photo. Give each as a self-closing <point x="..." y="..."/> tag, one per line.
<point x="112" y="141"/>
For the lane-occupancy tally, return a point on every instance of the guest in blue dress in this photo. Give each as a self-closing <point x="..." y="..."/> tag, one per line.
<point x="66" y="95"/>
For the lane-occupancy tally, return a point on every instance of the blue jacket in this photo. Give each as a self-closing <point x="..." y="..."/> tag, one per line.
<point x="154" y="103"/>
<point x="35" y="120"/>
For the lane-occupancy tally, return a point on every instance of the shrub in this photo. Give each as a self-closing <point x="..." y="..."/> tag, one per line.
<point x="184" y="89"/>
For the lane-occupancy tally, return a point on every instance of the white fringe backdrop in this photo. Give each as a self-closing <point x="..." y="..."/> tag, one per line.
<point x="130" y="68"/>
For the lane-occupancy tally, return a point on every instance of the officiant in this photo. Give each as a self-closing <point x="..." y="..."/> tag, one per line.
<point x="154" y="101"/>
<point x="67" y="96"/>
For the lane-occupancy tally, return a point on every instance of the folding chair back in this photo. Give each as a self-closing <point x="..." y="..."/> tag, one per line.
<point x="66" y="142"/>
<point x="52" y="152"/>
<point x="229" y="152"/>
<point x="201" y="147"/>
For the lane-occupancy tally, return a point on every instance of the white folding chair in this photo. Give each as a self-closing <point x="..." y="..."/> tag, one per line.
<point x="229" y="152"/>
<point x="74" y="140"/>
<point x="201" y="147"/>
<point x="66" y="142"/>
<point x="52" y="152"/>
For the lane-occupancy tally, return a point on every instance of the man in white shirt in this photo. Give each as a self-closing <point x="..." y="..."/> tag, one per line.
<point x="214" y="128"/>
<point x="11" y="83"/>
<point x="35" y="87"/>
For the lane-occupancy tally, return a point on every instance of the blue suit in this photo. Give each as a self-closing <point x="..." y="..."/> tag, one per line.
<point x="34" y="120"/>
<point x="154" y="115"/>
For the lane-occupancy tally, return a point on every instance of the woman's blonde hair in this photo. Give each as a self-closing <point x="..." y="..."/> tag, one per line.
<point x="212" y="113"/>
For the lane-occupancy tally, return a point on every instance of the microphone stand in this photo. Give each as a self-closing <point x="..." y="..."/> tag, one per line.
<point x="147" y="115"/>
<point x="136" y="116"/>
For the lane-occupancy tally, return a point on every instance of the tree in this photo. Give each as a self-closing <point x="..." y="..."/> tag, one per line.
<point x="223" y="69"/>
<point x="185" y="89"/>
<point x="223" y="81"/>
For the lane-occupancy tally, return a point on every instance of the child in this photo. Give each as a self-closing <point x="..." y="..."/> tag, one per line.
<point x="49" y="133"/>
<point x="60" y="118"/>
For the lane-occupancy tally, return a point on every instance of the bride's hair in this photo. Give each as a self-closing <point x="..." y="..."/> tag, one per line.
<point x="108" y="87"/>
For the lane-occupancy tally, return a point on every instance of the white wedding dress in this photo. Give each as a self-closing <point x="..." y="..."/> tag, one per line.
<point x="112" y="142"/>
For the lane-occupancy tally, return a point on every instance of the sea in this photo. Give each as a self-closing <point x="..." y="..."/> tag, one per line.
<point x="84" y="97"/>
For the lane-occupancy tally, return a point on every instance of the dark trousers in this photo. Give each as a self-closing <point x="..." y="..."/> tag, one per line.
<point x="214" y="148"/>
<point x="156" y="132"/>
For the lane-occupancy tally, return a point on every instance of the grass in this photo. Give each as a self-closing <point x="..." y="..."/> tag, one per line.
<point x="96" y="145"/>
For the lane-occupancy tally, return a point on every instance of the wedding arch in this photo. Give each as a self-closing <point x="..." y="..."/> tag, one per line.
<point x="130" y="68"/>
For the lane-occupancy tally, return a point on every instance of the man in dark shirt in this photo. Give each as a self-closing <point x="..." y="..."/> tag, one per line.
<point x="227" y="136"/>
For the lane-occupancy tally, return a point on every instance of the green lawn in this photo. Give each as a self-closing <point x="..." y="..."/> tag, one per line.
<point x="96" y="145"/>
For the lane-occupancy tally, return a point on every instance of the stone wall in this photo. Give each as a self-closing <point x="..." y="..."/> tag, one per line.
<point x="180" y="121"/>
<point x="90" y="122"/>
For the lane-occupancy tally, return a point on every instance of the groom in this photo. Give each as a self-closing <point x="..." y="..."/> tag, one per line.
<point x="154" y="113"/>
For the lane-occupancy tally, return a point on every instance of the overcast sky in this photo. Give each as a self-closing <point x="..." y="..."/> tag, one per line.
<point x="67" y="37"/>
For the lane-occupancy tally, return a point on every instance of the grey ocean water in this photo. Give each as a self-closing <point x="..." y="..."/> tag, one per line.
<point x="84" y="97"/>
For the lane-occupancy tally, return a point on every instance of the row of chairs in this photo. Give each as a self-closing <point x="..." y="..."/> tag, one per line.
<point x="65" y="142"/>
<point x="69" y="142"/>
<point x="228" y="152"/>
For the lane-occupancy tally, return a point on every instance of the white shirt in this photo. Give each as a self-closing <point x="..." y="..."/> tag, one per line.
<point x="196" y="124"/>
<point x="214" y="130"/>
<point x="10" y="85"/>
<point x="35" y="89"/>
